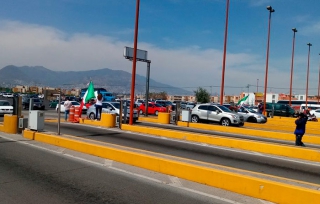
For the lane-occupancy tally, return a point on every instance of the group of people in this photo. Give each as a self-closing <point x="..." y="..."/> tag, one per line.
<point x="97" y="103"/>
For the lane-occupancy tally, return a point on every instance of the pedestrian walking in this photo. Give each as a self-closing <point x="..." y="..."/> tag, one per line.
<point x="98" y="106"/>
<point x="67" y="105"/>
<point x="301" y="122"/>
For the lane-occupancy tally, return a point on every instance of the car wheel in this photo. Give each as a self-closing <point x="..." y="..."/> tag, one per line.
<point x="225" y="122"/>
<point x="194" y="119"/>
<point x="156" y="113"/>
<point x="253" y="120"/>
<point x="241" y="124"/>
<point x="269" y="114"/>
<point x="91" y="116"/>
<point x="140" y="112"/>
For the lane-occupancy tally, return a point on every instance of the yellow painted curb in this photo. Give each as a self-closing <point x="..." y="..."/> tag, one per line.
<point x="246" y="185"/>
<point x="29" y="134"/>
<point x="10" y="124"/>
<point x="148" y="119"/>
<point x="252" y="132"/>
<point x="249" y="145"/>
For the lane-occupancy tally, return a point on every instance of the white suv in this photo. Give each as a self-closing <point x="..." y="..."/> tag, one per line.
<point x="216" y="113"/>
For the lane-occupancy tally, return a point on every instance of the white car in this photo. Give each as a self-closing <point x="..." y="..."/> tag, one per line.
<point x="315" y="112"/>
<point x="7" y="95"/>
<point x="5" y="107"/>
<point x="74" y="103"/>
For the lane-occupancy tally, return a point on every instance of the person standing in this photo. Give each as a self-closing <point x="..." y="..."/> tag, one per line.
<point x="260" y="108"/>
<point x="67" y="105"/>
<point x="99" y="106"/>
<point x="301" y="122"/>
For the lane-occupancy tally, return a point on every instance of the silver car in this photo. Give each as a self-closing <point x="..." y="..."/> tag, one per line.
<point x="216" y="113"/>
<point x="251" y="116"/>
<point x="111" y="107"/>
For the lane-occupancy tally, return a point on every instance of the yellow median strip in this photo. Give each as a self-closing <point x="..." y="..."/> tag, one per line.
<point x="252" y="132"/>
<point x="249" y="145"/>
<point x="246" y="185"/>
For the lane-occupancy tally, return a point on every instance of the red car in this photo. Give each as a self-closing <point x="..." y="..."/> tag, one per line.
<point x="153" y="108"/>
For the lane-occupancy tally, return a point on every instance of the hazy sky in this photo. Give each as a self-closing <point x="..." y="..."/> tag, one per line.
<point x="184" y="40"/>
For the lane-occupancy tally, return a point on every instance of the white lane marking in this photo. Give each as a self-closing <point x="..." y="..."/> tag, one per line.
<point x="108" y="163"/>
<point x="175" y="181"/>
<point x="130" y="173"/>
<point x="265" y="202"/>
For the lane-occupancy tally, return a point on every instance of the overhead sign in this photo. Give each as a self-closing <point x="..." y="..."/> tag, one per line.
<point x="142" y="55"/>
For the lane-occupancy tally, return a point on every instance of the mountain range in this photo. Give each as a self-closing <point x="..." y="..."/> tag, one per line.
<point x="116" y="81"/>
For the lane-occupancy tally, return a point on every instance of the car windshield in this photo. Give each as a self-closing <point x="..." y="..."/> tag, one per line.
<point x="251" y="110"/>
<point x="75" y="103"/>
<point x="4" y="103"/>
<point x="224" y="109"/>
<point x="116" y="105"/>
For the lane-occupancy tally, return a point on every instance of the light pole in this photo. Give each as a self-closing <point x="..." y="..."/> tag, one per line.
<point x="293" y="41"/>
<point x="224" y="55"/>
<point x="309" y="45"/>
<point x="271" y="10"/>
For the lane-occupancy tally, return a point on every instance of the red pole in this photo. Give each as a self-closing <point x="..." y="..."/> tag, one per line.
<point x="267" y="62"/>
<point x="309" y="44"/>
<point x="293" y="41"/>
<point x="134" y="62"/>
<point x="224" y="54"/>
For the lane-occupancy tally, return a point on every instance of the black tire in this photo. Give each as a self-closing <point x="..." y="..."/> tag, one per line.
<point x="194" y="119"/>
<point x="253" y="120"/>
<point x="225" y="122"/>
<point x="92" y="116"/>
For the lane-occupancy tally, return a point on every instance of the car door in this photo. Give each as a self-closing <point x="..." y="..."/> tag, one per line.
<point x="151" y="109"/>
<point x="212" y="113"/>
<point x="242" y="111"/>
<point x="203" y="112"/>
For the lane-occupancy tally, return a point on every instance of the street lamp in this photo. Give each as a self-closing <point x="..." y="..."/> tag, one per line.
<point x="271" y="10"/>
<point x="293" y="41"/>
<point x="224" y="55"/>
<point x="309" y="44"/>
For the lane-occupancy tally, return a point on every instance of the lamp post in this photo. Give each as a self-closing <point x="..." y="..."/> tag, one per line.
<point x="309" y="45"/>
<point x="224" y="55"/>
<point x="271" y="10"/>
<point x="293" y="41"/>
<point x="319" y="81"/>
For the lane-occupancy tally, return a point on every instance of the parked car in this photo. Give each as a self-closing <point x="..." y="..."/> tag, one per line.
<point x="277" y="109"/>
<point x="139" y="102"/>
<point x="74" y="103"/>
<point x="250" y="115"/>
<point x="5" y="107"/>
<point x="153" y="108"/>
<point x="111" y="107"/>
<point x="216" y="113"/>
<point x="315" y="112"/>
<point x="37" y="104"/>
<point x="190" y="105"/>
<point x="7" y="95"/>
<point x="164" y="103"/>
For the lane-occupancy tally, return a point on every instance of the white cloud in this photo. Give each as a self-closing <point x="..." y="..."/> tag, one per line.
<point x="31" y="45"/>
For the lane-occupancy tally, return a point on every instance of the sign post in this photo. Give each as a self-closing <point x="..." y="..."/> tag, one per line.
<point x="142" y="56"/>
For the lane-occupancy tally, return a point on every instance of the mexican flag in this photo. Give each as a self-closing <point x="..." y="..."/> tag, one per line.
<point x="243" y="100"/>
<point x="87" y="96"/>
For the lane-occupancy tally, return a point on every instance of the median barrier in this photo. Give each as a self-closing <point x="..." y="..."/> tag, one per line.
<point x="164" y="118"/>
<point x="239" y="183"/>
<point x="10" y="124"/>
<point x="244" y="144"/>
<point x="253" y="132"/>
<point x="107" y="120"/>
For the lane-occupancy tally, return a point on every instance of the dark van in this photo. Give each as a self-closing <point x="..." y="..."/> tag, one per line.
<point x="277" y="109"/>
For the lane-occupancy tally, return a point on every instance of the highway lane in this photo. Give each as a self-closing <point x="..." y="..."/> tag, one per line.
<point x="272" y="165"/>
<point x="29" y="174"/>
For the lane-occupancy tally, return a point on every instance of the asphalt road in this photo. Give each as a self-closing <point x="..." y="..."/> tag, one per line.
<point x="33" y="175"/>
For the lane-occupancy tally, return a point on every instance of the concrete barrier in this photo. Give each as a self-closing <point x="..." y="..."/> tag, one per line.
<point x="255" y="187"/>
<point x="253" y="132"/>
<point x="10" y="124"/>
<point x="107" y="120"/>
<point x="164" y="118"/>
<point x="249" y="145"/>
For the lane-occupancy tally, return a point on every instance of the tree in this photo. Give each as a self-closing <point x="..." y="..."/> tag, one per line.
<point x="202" y="95"/>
